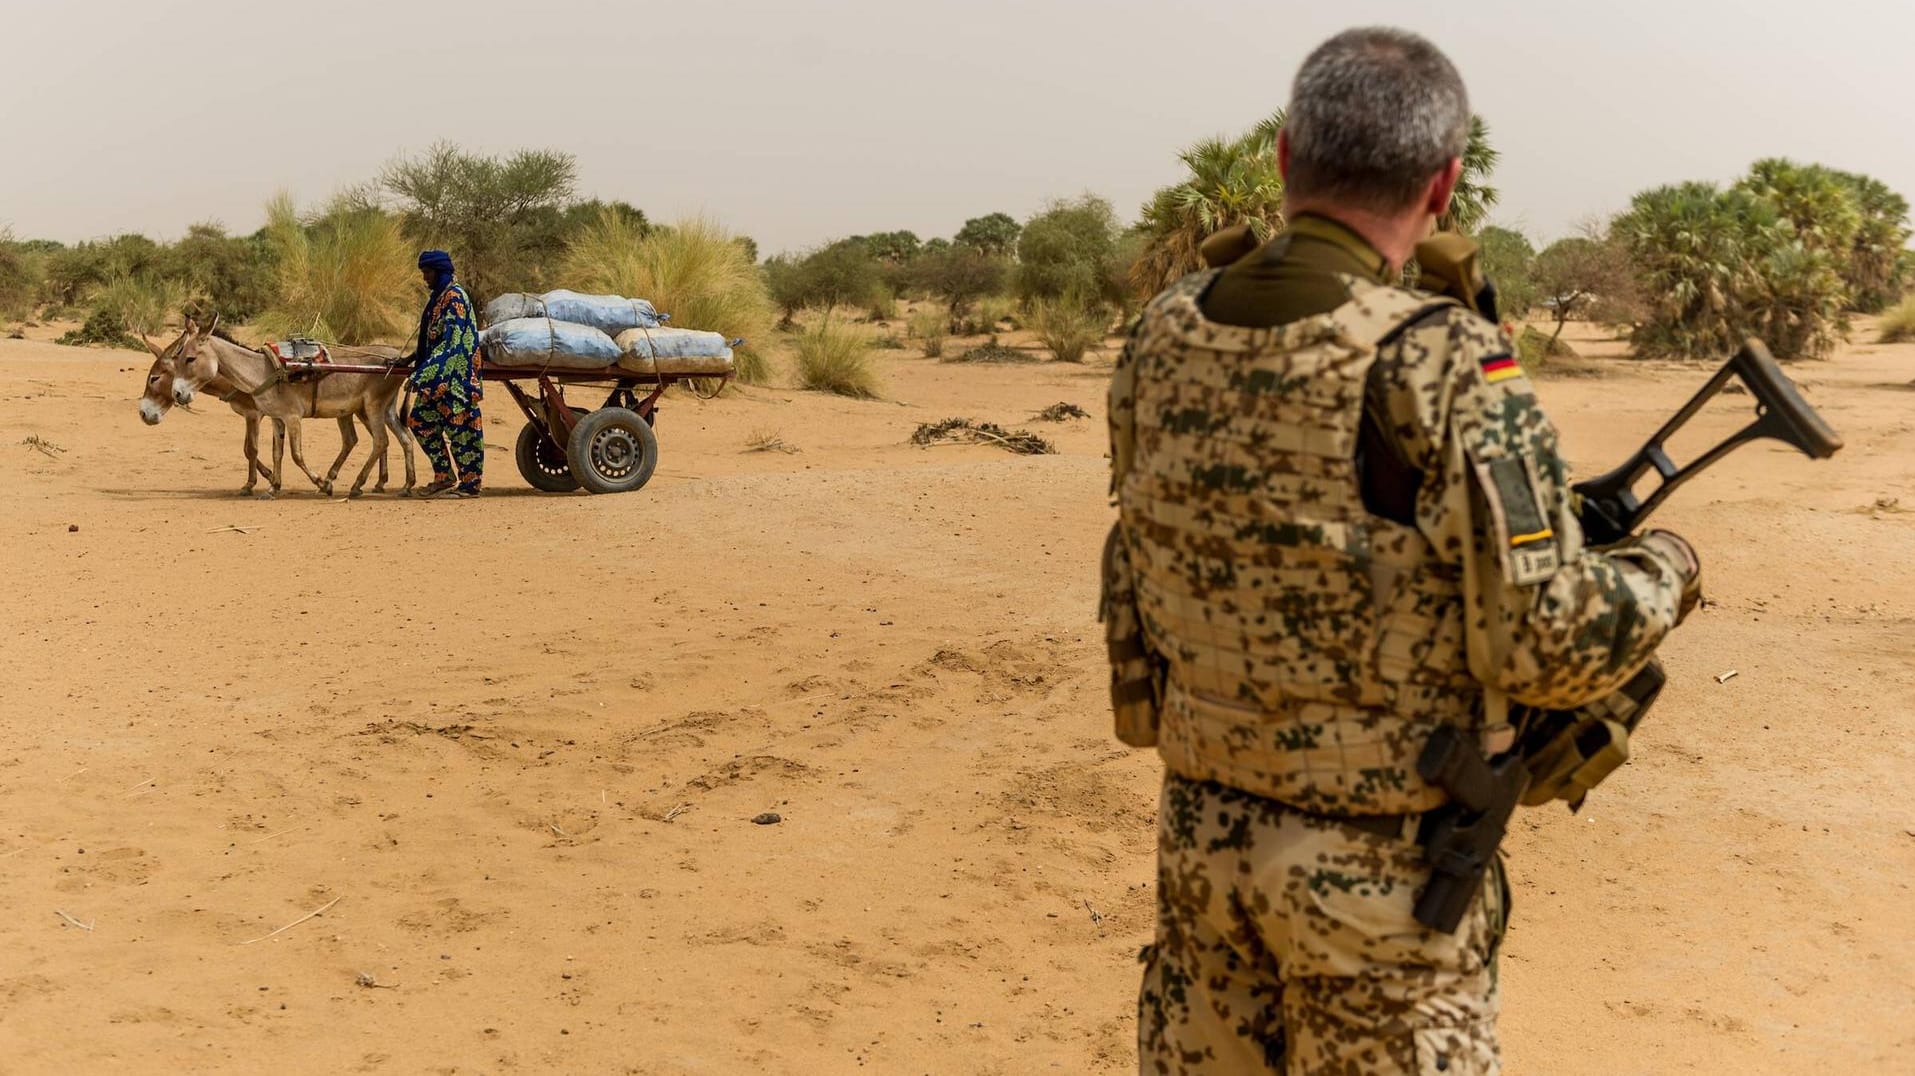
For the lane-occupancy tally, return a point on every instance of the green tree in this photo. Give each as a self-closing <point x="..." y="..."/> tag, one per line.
<point x="1473" y="198"/>
<point x="1877" y="269"/>
<point x="20" y="273"/>
<point x="1715" y="266"/>
<point x="1506" y="258"/>
<point x="1068" y="252"/>
<point x="994" y="234"/>
<point x="894" y="248"/>
<point x="500" y="217"/>
<point x="960" y="275"/>
<point x="1571" y="276"/>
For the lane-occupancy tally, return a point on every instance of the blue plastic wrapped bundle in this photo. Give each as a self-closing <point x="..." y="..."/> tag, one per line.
<point x="609" y="314"/>
<point x="546" y="342"/>
<point x="674" y="351"/>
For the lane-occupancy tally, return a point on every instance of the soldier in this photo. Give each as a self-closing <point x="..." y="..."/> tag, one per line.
<point x="1343" y="524"/>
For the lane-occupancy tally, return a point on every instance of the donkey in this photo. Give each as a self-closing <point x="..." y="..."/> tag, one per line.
<point x="157" y="400"/>
<point x="201" y="360"/>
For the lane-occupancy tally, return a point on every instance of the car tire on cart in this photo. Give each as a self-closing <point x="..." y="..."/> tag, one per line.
<point x="612" y="450"/>
<point x="543" y="462"/>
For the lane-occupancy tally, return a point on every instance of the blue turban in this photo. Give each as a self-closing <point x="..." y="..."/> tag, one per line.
<point x="435" y="259"/>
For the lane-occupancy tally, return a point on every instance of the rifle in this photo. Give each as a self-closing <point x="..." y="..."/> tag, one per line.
<point x="1573" y="750"/>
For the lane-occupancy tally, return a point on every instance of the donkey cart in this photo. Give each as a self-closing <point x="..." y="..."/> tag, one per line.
<point x="608" y="450"/>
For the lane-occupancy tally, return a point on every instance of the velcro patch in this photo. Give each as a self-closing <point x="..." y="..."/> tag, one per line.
<point x="1530" y="551"/>
<point x="1500" y="368"/>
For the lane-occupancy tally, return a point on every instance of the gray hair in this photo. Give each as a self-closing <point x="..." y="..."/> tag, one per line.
<point x="1375" y="112"/>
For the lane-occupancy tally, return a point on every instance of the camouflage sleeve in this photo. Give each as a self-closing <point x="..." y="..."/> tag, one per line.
<point x="1122" y="410"/>
<point x="1550" y="622"/>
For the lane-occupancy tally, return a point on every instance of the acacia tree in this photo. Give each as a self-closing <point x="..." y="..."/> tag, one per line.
<point x="501" y="217"/>
<point x="1571" y="276"/>
<point x="994" y="234"/>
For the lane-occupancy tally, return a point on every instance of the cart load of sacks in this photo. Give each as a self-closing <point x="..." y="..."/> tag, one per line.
<point x="564" y="330"/>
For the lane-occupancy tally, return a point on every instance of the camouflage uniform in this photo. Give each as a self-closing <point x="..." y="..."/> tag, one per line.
<point x="1289" y="651"/>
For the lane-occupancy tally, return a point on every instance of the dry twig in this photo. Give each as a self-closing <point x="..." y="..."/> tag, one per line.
<point x="309" y="915"/>
<point x="88" y="927"/>
<point x="676" y="811"/>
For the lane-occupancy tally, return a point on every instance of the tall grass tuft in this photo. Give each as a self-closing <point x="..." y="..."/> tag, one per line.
<point x="1898" y="322"/>
<point x="884" y="303"/>
<point x="1067" y="329"/>
<point x="347" y="276"/>
<point x="929" y="326"/>
<point x="836" y="358"/>
<point x="695" y="270"/>
<point x="141" y="303"/>
<point x="992" y="310"/>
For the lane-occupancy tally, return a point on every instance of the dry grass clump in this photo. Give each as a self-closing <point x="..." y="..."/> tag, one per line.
<point x="349" y="279"/>
<point x="837" y="359"/>
<point x="1898" y="322"/>
<point x="1060" y="412"/>
<point x="929" y="326"/>
<point x="1067" y="329"/>
<point x="994" y="310"/>
<point x="769" y="441"/>
<point x="694" y="270"/>
<point x="889" y="342"/>
<point x="1534" y="347"/>
<point x="994" y="352"/>
<point x="963" y="431"/>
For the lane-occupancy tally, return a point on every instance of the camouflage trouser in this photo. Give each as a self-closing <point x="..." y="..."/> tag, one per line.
<point x="1286" y="944"/>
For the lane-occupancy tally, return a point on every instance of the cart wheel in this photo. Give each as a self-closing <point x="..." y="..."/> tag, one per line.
<point x="542" y="462"/>
<point x="612" y="450"/>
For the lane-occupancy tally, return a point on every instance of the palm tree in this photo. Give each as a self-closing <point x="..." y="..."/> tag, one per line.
<point x="1231" y="182"/>
<point x="1473" y="198"/>
<point x="1235" y="181"/>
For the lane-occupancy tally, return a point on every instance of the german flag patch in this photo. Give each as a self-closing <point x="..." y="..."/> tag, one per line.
<point x="1501" y="368"/>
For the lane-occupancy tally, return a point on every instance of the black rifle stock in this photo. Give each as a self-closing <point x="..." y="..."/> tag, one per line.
<point x="1611" y="511"/>
<point x="1460" y="838"/>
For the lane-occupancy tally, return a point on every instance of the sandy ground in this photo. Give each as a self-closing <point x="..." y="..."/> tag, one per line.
<point x="514" y="746"/>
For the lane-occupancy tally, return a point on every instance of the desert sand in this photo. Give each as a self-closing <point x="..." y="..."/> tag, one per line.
<point x="513" y="747"/>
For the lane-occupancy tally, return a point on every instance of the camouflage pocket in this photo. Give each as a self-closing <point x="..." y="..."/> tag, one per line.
<point x="1468" y="1050"/>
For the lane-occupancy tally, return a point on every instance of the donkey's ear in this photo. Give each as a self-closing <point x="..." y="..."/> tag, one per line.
<point x="192" y="327"/>
<point x="211" y="325"/>
<point x="157" y="351"/>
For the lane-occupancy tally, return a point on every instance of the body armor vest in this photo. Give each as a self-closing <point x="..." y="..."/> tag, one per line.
<point x="1311" y="647"/>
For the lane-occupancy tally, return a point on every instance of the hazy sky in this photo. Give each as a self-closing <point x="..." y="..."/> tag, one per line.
<point x="796" y="123"/>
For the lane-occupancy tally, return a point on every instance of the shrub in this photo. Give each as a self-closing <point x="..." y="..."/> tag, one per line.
<point x="1534" y="348"/>
<point x="1716" y="266"/>
<point x="884" y="303"/>
<point x="837" y="359"/>
<point x="225" y="275"/>
<point x="930" y="327"/>
<point x="692" y="270"/>
<point x="20" y="276"/>
<point x="1066" y="329"/>
<point x="1069" y="251"/>
<point x="994" y="310"/>
<point x="959" y="275"/>
<point x="141" y="304"/>
<point x="1898" y="324"/>
<point x="349" y="278"/>
<point x="888" y="342"/>
<point x="103" y="326"/>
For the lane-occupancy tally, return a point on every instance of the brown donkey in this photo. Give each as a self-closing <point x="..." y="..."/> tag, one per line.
<point x="157" y="400"/>
<point x="253" y="381"/>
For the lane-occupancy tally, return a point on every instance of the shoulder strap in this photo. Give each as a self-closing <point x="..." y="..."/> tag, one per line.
<point x="1377" y="313"/>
